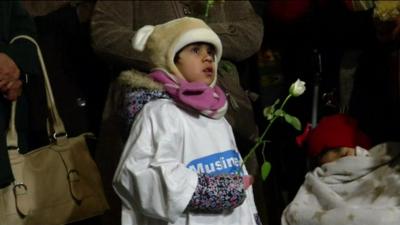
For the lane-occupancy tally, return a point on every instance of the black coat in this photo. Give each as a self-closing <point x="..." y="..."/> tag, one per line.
<point x="14" y="21"/>
<point x="78" y="79"/>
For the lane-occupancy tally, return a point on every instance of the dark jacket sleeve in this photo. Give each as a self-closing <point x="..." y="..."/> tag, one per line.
<point x="112" y="31"/>
<point x="114" y="23"/>
<point x="21" y="51"/>
<point x="241" y="31"/>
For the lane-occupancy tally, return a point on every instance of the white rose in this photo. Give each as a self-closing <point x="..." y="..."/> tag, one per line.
<point x="297" y="88"/>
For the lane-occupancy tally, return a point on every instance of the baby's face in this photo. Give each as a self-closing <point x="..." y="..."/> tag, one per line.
<point x="335" y="154"/>
<point x="196" y="63"/>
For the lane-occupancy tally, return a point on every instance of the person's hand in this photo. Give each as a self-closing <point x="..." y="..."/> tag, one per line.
<point x="13" y="90"/>
<point x="248" y="180"/>
<point x="10" y="85"/>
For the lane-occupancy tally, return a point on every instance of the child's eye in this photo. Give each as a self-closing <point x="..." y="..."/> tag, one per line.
<point x="196" y="49"/>
<point x="210" y="51"/>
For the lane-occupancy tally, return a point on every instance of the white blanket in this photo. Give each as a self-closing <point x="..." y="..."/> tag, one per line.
<point x="354" y="190"/>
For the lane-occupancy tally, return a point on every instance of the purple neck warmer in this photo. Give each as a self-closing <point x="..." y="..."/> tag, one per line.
<point x="209" y="101"/>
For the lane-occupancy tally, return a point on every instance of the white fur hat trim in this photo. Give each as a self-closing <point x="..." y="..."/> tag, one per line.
<point x="142" y="35"/>
<point x="205" y="35"/>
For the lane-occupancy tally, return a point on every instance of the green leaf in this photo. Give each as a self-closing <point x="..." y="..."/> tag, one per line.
<point x="265" y="169"/>
<point x="292" y="120"/>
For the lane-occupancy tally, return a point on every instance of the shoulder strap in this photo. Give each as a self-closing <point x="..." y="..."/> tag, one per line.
<point x="56" y="125"/>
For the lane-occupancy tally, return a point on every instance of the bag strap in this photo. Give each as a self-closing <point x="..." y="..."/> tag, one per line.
<point x="12" y="137"/>
<point x="56" y="125"/>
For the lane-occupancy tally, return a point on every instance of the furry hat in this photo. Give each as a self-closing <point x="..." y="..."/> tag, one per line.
<point x="335" y="131"/>
<point x="162" y="42"/>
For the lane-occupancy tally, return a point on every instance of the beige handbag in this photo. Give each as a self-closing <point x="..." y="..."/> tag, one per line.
<point x="55" y="184"/>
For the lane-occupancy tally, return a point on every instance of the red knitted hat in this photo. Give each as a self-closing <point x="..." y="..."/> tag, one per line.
<point x="335" y="131"/>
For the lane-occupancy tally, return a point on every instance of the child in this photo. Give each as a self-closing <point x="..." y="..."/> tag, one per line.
<point x="334" y="137"/>
<point x="180" y="162"/>
<point x="351" y="185"/>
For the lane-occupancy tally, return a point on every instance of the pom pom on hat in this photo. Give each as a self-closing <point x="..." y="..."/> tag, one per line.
<point x="142" y="35"/>
<point x="335" y="131"/>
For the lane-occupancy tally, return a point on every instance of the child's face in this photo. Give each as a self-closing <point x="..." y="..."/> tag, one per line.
<point x="196" y="63"/>
<point x="335" y="154"/>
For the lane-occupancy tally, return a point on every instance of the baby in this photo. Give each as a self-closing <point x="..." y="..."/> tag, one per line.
<point x="334" y="137"/>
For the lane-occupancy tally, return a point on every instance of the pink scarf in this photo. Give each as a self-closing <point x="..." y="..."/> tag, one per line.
<point x="209" y="101"/>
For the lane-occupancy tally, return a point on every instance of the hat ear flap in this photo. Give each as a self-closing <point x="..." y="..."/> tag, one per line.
<point x="142" y="35"/>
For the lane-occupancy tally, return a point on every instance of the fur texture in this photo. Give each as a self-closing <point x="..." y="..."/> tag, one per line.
<point x="135" y="79"/>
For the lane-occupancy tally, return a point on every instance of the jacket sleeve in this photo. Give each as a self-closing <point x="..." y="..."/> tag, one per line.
<point x="150" y="176"/>
<point x="241" y="32"/>
<point x="21" y="51"/>
<point x="214" y="194"/>
<point x="238" y="26"/>
<point x="112" y="32"/>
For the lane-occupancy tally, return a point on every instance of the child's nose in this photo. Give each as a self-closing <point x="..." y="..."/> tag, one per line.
<point x="207" y="56"/>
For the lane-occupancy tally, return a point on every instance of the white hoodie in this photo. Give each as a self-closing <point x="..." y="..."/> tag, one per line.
<point x="157" y="174"/>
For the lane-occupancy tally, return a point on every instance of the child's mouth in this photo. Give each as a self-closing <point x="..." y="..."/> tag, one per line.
<point x="209" y="70"/>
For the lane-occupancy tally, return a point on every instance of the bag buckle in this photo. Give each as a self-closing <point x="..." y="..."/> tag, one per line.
<point x="19" y="186"/>
<point x="57" y="136"/>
